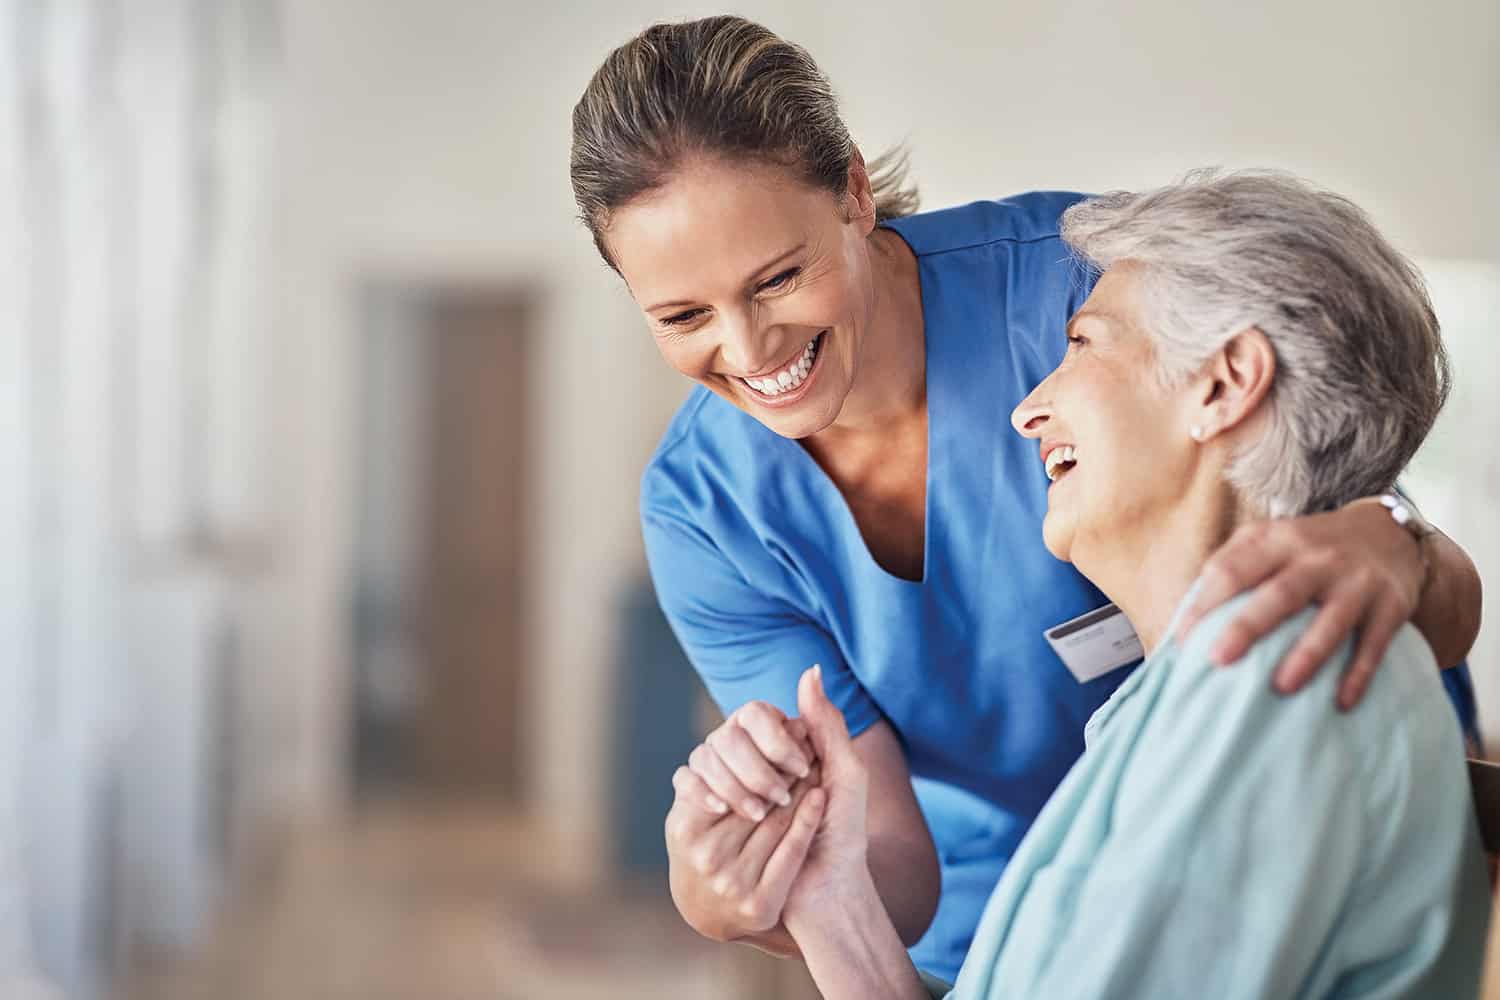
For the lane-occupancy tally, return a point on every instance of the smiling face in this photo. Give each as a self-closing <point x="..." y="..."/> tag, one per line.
<point x="754" y="284"/>
<point x="1115" y="442"/>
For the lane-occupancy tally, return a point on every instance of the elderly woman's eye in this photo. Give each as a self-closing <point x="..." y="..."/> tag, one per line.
<point x="781" y="280"/>
<point x="1075" y="340"/>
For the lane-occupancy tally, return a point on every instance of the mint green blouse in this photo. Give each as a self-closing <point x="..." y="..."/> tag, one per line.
<point x="1217" y="840"/>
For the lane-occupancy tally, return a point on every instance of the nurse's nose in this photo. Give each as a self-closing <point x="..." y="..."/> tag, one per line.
<point x="1031" y="416"/>
<point x="746" y="350"/>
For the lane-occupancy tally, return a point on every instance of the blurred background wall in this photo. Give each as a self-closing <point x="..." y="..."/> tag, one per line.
<point x="294" y="295"/>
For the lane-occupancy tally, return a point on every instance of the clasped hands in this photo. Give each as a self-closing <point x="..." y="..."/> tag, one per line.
<point x="768" y="820"/>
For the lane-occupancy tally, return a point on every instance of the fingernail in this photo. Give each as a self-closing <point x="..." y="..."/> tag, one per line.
<point x="818" y="675"/>
<point x="783" y="797"/>
<point x="800" y="766"/>
<point x="716" y="804"/>
<point x="756" y="810"/>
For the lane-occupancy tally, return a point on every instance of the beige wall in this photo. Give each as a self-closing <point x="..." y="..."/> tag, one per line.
<point x="431" y="138"/>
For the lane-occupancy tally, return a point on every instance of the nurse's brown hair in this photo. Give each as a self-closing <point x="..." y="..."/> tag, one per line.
<point x="720" y="86"/>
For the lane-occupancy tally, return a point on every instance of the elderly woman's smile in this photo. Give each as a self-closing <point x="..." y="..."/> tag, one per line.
<point x="1058" y="459"/>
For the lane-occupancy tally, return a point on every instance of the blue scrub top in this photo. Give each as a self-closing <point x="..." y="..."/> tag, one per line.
<point x="762" y="571"/>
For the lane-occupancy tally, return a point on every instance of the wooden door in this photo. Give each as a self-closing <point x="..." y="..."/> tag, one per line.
<point x="467" y="733"/>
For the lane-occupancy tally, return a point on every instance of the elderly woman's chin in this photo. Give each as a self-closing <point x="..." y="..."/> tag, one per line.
<point x="1057" y="533"/>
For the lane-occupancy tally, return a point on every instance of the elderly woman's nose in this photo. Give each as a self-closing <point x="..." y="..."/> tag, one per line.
<point x="1031" y="416"/>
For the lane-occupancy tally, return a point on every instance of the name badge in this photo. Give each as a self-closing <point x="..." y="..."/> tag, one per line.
<point x="1095" y="643"/>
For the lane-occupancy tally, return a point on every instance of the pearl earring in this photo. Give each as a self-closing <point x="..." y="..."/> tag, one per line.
<point x="1196" y="433"/>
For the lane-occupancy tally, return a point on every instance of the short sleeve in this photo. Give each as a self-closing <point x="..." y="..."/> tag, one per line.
<point x="745" y="644"/>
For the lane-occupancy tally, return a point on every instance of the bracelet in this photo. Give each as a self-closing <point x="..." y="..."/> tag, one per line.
<point x="1415" y="525"/>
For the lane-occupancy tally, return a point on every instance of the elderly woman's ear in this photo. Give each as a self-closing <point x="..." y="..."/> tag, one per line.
<point x="1233" y="385"/>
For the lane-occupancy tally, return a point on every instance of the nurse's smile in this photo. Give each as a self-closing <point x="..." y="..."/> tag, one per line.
<point x="790" y="381"/>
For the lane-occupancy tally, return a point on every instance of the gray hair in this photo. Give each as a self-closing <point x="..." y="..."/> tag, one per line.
<point x="1361" y="372"/>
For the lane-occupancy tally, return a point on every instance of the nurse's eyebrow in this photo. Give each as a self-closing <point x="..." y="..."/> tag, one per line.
<point x="777" y="260"/>
<point x="753" y="275"/>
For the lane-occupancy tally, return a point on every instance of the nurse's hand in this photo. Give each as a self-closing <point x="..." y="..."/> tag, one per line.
<point x="1361" y="569"/>
<point x="730" y="875"/>
<point x="748" y="764"/>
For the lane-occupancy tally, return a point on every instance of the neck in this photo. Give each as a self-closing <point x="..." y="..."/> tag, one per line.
<point x="1148" y="570"/>
<point x="890" y="382"/>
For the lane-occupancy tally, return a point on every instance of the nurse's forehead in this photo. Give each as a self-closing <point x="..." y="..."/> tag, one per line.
<point x="706" y="233"/>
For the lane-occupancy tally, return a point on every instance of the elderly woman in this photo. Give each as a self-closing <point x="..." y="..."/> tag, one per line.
<point x="1253" y="348"/>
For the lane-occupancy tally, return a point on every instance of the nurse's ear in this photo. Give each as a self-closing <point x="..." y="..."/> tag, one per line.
<point x="859" y="195"/>
<point x="1233" y="385"/>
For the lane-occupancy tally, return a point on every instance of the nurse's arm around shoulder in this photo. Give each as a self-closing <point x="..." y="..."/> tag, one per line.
<point x="1363" y="570"/>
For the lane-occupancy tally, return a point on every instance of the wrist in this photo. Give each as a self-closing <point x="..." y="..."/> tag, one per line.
<point x="850" y="906"/>
<point x="850" y="946"/>
<point x="1405" y="516"/>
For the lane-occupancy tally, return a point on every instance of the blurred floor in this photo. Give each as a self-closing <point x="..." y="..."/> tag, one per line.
<point x="448" y="903"/>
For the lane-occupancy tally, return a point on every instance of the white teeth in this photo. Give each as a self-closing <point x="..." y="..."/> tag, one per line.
<point x="789" y="377"/>
<point x="1058" y="457"/>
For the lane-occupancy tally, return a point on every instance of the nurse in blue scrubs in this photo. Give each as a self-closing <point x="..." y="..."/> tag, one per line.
<point x="844" y="488"/>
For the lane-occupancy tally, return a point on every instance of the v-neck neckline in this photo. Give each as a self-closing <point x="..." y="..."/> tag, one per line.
<point x="827" y="482"/>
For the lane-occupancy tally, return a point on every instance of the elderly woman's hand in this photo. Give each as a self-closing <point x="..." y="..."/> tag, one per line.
<point x="1362" y="568"/>
<point x="835" y="867"/>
